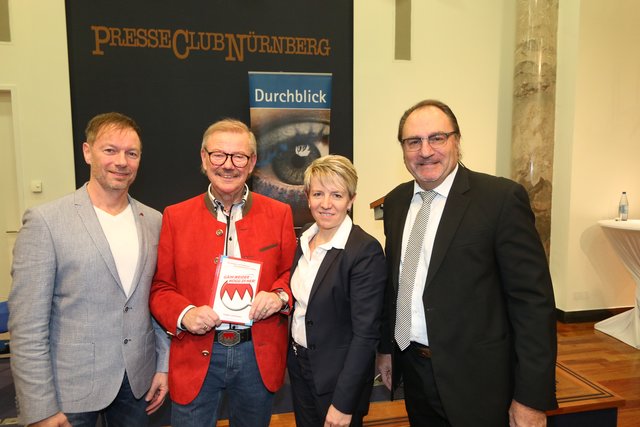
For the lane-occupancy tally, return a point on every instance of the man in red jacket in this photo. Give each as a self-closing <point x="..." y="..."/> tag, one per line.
<point x="208" y="356"/>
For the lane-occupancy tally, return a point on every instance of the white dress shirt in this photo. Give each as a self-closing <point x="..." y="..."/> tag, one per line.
<point x="306" y="271"/>
<point x="418" y="321"/>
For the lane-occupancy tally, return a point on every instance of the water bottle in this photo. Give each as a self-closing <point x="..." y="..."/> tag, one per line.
<point x="623" y="207"/>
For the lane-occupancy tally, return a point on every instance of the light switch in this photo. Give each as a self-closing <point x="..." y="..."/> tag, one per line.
<point x="36" y="186"/>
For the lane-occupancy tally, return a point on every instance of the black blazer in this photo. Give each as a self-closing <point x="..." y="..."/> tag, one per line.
<point x="343" y="320"/>
<point x="488" y="300"/>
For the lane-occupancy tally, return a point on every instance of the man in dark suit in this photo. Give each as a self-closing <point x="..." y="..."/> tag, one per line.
<point x="469" y="310"/>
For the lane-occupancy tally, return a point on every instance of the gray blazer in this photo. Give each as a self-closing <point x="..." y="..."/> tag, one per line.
<point x="74" y="332"/>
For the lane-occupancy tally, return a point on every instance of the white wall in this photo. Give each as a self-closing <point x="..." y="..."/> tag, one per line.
<point x="35" y="116"/>
<point x="597" y="149"/>
<point x="35" y="70"/>
<point x="461" y="54"/>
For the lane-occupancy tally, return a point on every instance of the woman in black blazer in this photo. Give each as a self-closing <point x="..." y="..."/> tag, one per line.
<point x="338" y="280"/>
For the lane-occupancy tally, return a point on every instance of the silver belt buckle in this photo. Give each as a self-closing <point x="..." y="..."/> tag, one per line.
<point x="228" y="337"/>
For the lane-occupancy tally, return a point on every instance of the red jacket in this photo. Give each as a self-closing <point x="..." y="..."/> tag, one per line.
<point x="191" y="242"/>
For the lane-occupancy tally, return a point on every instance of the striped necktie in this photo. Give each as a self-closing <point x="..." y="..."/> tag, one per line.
<point x="409" y="267"/>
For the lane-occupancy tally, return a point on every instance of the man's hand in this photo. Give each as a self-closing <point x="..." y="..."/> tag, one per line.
<point x="264" y="305"/>
<point x="524" y="416"/>
<point x="157" y="392"/>
<point x="57" y="420"/>
<point x="383" y="363"/>
<point x="336" y="418"/>
<point x="200" y="320"/>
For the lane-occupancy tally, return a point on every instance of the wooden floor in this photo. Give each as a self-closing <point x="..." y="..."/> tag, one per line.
<point x="604" y="360"/>
<point x="588" y="352"/>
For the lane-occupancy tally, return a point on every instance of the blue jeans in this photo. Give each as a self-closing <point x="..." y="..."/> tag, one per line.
<point x="124" y="411"/>
<point x="234" y="370"/>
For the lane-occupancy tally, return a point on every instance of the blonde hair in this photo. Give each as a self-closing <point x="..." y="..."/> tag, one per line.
<point x="332" y="168"/>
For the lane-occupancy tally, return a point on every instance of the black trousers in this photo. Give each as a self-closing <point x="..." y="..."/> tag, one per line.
<point x="421" y="396"/>
<point x="309" y="407"/>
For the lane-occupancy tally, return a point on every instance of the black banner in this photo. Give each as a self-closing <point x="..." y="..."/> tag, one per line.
<point x="176" y="67"/>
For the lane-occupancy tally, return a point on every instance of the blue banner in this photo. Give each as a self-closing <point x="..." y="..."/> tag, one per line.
<point x="290" y="90"/>
<point x="290" y="116"/>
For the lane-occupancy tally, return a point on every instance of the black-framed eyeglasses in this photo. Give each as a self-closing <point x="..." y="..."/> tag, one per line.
<point x="219" y="158"/>
<point x="414" y="143"/>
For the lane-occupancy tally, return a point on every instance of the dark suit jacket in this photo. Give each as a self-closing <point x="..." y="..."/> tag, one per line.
<point x="488" y="300"/>
<point x="343" y="320"/>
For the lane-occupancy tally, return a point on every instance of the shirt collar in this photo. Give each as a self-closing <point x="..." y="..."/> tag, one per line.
<point x="442" y="189"/>
<point x="218" y="204"/>
<point x="338" y="241"/>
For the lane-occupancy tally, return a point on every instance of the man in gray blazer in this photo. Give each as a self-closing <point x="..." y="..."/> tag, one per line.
<point x="82" y="339"/>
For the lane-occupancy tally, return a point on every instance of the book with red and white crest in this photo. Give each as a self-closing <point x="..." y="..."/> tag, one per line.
<point x="234" y="288"/>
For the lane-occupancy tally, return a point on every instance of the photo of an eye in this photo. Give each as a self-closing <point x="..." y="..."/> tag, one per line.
<point x="288" y="141"/>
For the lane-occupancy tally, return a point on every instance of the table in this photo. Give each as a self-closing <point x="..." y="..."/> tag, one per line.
<point x="625" y="238"/>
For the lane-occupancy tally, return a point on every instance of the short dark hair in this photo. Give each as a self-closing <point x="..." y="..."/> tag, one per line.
<point x="111" y="120"/>
<point x="429" y="103"/>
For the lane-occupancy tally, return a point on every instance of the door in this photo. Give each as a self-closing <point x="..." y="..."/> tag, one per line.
<point x="9" y="208"/>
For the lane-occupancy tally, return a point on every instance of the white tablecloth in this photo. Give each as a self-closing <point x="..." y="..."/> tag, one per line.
<point x="625" y="238"/>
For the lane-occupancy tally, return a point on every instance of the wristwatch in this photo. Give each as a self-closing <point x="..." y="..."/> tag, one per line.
<point x="284" y="297"/>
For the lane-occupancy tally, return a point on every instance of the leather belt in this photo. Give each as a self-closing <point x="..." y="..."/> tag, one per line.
<point x="421" y="350"/>
<point x="231" y="337"/>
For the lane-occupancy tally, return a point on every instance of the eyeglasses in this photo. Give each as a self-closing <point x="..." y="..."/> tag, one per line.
<point x="219" y="158"/>
<point x="414" y="143"/>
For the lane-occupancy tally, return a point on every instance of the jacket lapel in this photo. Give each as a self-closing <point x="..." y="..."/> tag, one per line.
<point x="453" y="213"/>
<point x="396" y="229"/>
<point x="327" y="262"/>
<point x="143" y="238"/>
<point x="89" y="218"/>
